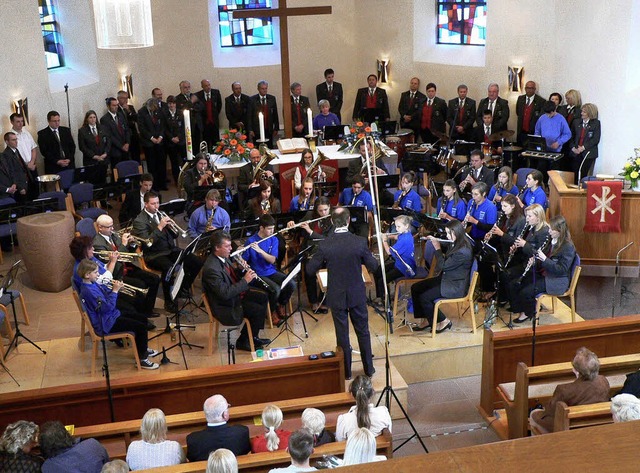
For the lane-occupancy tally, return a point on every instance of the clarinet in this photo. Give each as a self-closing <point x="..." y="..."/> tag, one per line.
<point x="498" y="187"/>
<point x="245" y="266"/>
<point x="470" y="210"/>
<point x="443" y="204"/>
<point x="532" y="261"/>
<point x="499" y="222"/>
<point x="521" y="193"/>
<point x="524" y="232"/>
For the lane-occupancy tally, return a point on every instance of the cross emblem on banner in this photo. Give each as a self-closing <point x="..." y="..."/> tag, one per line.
<point x="603" y="202"/>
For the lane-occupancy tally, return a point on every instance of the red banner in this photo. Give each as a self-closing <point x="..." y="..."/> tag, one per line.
<point x="604" y="202"/>
<point x="330" y="168"/>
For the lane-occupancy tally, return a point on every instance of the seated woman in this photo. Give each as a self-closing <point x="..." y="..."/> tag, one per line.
<point x="503" y="187"/>
<point x="314" y="421"/>
<point x="588" y="388"/>
<point x="452" y="281"/>
<point x="100" y="304"/>
<point x="363" y="414"/>
<point x="303" y="168"/>
<point x="64" y="453"/>
<point x="553" y="273"/>
<point x="482" y="215"/>
<point x="625" y="407"/>
<point x="533" y="193"/>
<point x="264" y="203"/>
<point x="274" y="437"/>
<point x="15" y="448"/>
<point x="222" y="461"/>
<point x="403" y="264"/>
<point x="325" y="117"/>
<point x="451" y="206"/>
<point x="361" y="448"/>
<point x="154" y="450"/>
<point x="304" y="199"/>
<point x="356" y="196"/>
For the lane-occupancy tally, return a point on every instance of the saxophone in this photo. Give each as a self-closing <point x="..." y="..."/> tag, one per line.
<point x="209" y="226"/>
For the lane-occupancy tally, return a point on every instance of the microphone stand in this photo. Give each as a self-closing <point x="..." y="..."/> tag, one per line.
<point x="105" y="365"/>
<point x="66" y="92"/>
<point x="615" y="279"/>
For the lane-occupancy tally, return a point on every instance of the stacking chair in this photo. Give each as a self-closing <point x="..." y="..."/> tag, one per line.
<point x="214" y="327"/>
<point x="80" y="202"/>
<point x="125" y="169"/>
<point x="86" y="227"/>
<point x="467" y="299"/>
<point x="521" y="175"/>
<point x="576" y="269"/>
<point x="66" y="178"/>
<point x="61" y="196"/>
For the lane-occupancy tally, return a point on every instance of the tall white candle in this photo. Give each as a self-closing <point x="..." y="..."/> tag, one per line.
<point x="310" y="120"/>
<point x="261" y="120"/>
<point x="187" y="133"/>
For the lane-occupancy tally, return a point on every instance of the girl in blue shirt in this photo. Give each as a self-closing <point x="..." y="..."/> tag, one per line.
<point x="451" y="206"/>
<point x="503" y="187"/>
<point x="404" y="264"/>
<point x="304" y="199"/>
<point x="534" y="193"/>
<point x="406" y="198"/>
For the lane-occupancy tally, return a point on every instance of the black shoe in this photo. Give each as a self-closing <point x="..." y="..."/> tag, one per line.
<point x="151" y="325"/>
<point x="153" y="315"/>
<point x="447" y="327"/>
<point x="261" y="341"/>
<point x="520" y="321"/>
<point x="243" y="345"/>
<point x="420" y="329"/>
<point x="371" y="373"/>
<point x="170" y="307"/>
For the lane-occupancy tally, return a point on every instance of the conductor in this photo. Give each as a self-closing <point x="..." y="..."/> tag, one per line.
<point x="344" y="254"/>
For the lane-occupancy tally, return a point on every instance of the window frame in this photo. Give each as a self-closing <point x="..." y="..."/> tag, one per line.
<point x="52" y="8"/>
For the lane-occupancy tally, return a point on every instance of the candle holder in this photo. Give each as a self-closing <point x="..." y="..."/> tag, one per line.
<point x="262" y="146"/>
<point x="313" y="141"/>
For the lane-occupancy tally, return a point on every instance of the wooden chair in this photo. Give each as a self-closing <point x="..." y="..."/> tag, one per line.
<point x="144" y="266"/>
<point x="421" y="273"/>
<point x="8" y="328"/>
<point x="570" y="293"/>
<point x="214" y="326"/>
<point x="468" y="298"/>
<point x="95" y="339"/>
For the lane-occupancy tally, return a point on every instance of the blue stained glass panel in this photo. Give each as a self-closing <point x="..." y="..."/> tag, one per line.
<point x="53" y="50"/>
<point x="243" y="31"/>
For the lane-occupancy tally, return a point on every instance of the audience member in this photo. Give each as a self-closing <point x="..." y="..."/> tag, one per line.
<point x="274" y="438"/>
<point x="64" y="453"/>
<point x="363" y="414"/>
<point x="300" y="449"/>
<point x="222" y="461"/>
<point x="625" y="407"/>
<point x="115" y="466"/>
<point x="154" y="449"/>
<point x="361" y="448"/>
<point x="15" y="448"/>
<point x="218" y="433"/>
<point x="314" y="421"/>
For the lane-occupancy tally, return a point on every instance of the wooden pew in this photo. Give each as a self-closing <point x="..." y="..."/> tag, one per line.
<point x="263" y="462"/>
<point x="116" y="436"/>
<point x="577" y="417"/>
<point x="176" y="392"/>
<point x="536" y="384"/>
<point x="502" y="351"/>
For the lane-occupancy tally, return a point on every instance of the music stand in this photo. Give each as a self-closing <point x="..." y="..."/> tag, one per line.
<point x="325" y="189"/>
<point x="388" y="181"/>
<point x="243" y="229"/>
<point x="4" y="289"/>
<point x="433" y="225"/>
<point x="173" y="207"/>
<point x="95" y="174"/>
<point x="285" y="327"/>
<point x="301" y="258"/>
<point x="488" y="254"/>
<point x="333" y="132"/>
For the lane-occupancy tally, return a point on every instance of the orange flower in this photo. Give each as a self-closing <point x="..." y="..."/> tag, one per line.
<point x="233" y="131"/>
<point x="243" y="137"/>
<point x="240" y="149"/>
<point x="352" y="130"/>
<point x="368" y="129"/>
<point x="360" y="135"/>
<point x="218" y="149"/>
<point x="233" y="142"/>
<point x="227" y="152"/>
<point x="225" y="136"/>
<point x="250" y="145"/>
<point x="359" y="123"/>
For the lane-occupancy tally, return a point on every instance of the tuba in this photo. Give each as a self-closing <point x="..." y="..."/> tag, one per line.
<point x="259" y="173"/>
<point x="315" y="166"/>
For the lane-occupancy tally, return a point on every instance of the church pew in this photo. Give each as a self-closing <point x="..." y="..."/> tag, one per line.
<point x="577" y="417"/>
<point x="116" y="436"/>
<point x="536" y="384"/>
<point x="502" y="351"/>
<point x="176" y="392"/>
<point x="263" y="462"/>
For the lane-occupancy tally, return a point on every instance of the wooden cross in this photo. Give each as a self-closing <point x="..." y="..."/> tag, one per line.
<point x="283" y="13"/>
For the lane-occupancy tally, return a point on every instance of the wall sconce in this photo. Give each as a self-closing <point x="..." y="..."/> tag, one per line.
<point x="515" y="78"/>
<point x="383" y="73"/>
<point x="123" y="24"/>
<point x="126" y="84"/>
<point x="21" y="106"/>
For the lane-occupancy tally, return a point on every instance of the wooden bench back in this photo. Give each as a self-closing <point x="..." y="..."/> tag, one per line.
<point x="577" y="417"/>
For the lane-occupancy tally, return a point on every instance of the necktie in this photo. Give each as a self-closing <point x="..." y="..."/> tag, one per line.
<point x="461" y="104"/>
<point x="491" y="106"/>
<point x="237" y="99"/>
<point x="93" y="131"/>
<point x="429" y="102"/>
<point x="231" y="272"/>
<point x="412" y="95"/>
<point x="155" y="219"/>
<point x="59" y="143"/>
<point x="264" y="101"/>
<point x="330" y="88"/>
<point x="370" y="92"/>
<point x="113" y="244"/>
<point x="528" y="101"/>
<point x="487" y="130"/>
<point x="207" y="96"/>
<point x="353" y="200"/>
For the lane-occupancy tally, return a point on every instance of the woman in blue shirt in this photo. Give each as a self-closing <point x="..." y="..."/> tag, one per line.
<point x="451" y="206"/>
<point x="406" y="198"/>
<point x="325" y="118"/>
<point x="304" y="199"/>
<point x="534" y="193"/>
<point x="404" y="262"/>
<point x="503" y="187"/>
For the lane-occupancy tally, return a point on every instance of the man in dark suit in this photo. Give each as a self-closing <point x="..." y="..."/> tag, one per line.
<point x="371" y="102"/>
<point x="299" y="106"/>
<point x="236" y="107"/>
<point x="210" y="114"/>
<point x="344" y="254"/>
<point x="477" y="172"/>
<point x="230" y="295"/>
<point x="248" y="186"/>
<point x="157" y="94"/>
<point x="56" y="145"/>
<point x="265" y="103"/>
<point x="461" y="115"/>
<point x="218" y="434"/>
<point x="152" y="132"/>
<point x="134" y="200"/>
<point x="15" y="177"/>
<point x="163" y="252"/>
<point x="433" y="116"/>
<point x="528" y="110"/>
<point x="331" y="91"/>
<point x="185" y="100"/>
<point x="174" y="137"/>
<point x="410" y="105"/>
<point x="130" y="115"/>
<point x="499" y="108"/>
<point x="116" y="128"/>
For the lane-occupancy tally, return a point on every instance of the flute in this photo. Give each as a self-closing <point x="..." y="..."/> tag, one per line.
<point x="441" y="240"/>
<point x="286" y="229"/>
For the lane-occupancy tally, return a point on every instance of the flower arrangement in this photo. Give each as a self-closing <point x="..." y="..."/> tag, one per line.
<point x="234" y="146"/>
<point x="631" y="169"/>
<point x="357" y="133"/>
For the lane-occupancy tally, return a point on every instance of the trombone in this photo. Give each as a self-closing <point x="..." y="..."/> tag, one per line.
<point x="173" y="226"/>
<point x="127" y="289"/>
<point x="122" y="257"/>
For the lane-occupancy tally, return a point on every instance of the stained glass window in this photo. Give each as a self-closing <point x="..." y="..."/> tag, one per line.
<point x="50" y="34"/>
<point x="462" y="22"/>
<point x="243" y="31"/>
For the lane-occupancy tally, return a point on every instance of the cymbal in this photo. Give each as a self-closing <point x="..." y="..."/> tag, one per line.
<point x="512" y="148"/>
<point x="501" y="134"/>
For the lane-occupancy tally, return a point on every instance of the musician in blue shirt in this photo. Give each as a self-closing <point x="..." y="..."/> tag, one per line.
<point x="451" y="206"/>
<point x="402" y="252"/>
<point x="481" y="213"/>
<point x="199" y="222"/>
<point x="534" y="193"/>
<point x="356" y="196"/>
<point x="304" y="199"/>
<point x="262" y="259"/>
<point x="503" y="187"/>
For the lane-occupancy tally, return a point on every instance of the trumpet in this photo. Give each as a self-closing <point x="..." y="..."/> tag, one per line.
<point x="122" y="257"/>
<point x="173" y="226"/>
<point x="141" y="241"/>
<point x="127" y="289"/>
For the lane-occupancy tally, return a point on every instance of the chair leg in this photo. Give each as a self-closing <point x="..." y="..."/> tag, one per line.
<point x="82" y="336"/>
<point x="434" y="321"/>
<point x="553" y="304"/>
<point x="572" y="299"/>
<point x="250" y="334"/>
<point x="473" y="314"/>
<point x="135" y="350"/>
<point x="24" y="310"/>
<point x="7" y="325"/>
<point x="395" y="299"/>
<point x="213" y="328"/>
<point x="269" y="321"/>
<point x="94" y="356"/>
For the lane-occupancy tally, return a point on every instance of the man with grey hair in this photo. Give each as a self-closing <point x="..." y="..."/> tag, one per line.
<point x="625" y="407"/>
<point x="499" y="109"/>
<point x="265" y="103"/>
<point x="299" y="106"/>
<point x="236" y="107"/>
<point x="218" y="433"/>
<point x="185" y="100"/>
<point x="314" y="420"/>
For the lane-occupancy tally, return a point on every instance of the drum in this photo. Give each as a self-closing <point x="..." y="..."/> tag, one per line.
<point x="394" y="142"/>
<point x="456" y="162"/>
<point x="399" y="142"/>
<point x="48" y="182"/>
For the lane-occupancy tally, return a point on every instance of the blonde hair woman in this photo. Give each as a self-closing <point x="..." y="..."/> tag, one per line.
<point x="274" y="438"/>
<point x="154" y="449"/>
<point x="222" y="461"/>
<point x="361" y="448"/>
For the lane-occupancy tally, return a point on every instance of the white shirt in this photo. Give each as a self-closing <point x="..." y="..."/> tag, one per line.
<point x="347" y="423"/>
<point x="26" y="143"/>
<point x="142" y="455"/>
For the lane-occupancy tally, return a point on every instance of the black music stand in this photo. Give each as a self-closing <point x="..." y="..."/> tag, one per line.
<point x="325" y="189"/>
<point x="433" y="225"/>
<point x="4" y="289"/>
<point x="285" y="327"/>
<point x="173" y="207"/>
<point x="389" y="181"/>
<point x="96" y="174"/>
<point x="358" y="217"/>
<point x="243" y="229"/>
<point x="301" y="257"/>
<point x="488" y="254"/>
